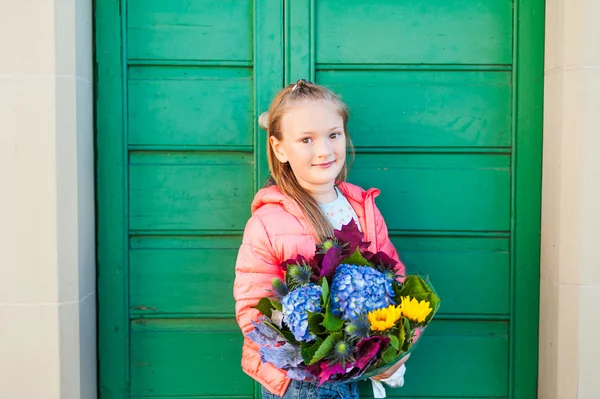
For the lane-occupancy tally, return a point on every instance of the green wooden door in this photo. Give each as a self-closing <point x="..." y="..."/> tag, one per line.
<point x="445" y="98"/>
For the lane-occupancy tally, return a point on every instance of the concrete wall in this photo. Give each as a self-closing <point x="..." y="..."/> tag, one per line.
<point x="47" y="244"/>
<point x="569" y="364"/>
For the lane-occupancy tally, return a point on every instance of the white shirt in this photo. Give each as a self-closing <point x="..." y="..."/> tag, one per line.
<point x="339" y="211"/>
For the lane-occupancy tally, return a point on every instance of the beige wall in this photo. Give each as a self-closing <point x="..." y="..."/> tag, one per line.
<point x="47" y="264"/>
<point x="569" y="364"/>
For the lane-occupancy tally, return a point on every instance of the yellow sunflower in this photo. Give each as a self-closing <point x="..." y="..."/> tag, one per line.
<point x="414" y="310"/>
<point x="384" y="318"/>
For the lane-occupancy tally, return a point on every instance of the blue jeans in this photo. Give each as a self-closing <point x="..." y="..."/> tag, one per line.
<point x="309" y="390"/>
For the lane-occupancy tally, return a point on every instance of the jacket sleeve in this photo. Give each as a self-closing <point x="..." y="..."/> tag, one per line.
<point x="384" y="243"/>
<point x="255" y="268"/>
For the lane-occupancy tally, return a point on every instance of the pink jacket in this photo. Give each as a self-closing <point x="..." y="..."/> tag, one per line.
<point x="278" y="231"/>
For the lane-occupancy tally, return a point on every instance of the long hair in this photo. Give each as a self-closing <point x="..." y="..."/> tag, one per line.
<point x="281" y="173"/>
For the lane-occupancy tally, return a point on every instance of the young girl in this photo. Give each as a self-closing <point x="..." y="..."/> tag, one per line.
<point x="305" y="199"/>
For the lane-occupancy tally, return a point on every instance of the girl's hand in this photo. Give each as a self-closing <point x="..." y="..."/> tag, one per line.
<point x="389" y="372"/>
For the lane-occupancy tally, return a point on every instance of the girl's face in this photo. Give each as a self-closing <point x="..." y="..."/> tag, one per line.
<point x="313" y="142"/>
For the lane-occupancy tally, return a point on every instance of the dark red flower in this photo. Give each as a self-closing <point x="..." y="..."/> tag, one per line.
<point x="368" y="348"/>
<point x="331" y="261"/>
<point x="328" y="370"/>
<point x="380" y="259"/>
<point x="351" y="235"/>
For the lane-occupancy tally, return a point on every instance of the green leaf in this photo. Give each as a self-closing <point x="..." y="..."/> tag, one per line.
<point x="332" y="323"/>
<point x="264" y="306"/>
<point x="276" y="304"/>
<point x="357" y="259"/>
<point x="324" y="290"/>
<point x="315" y="321"/>
<point x="401" y="335"/>
<point x="326" y="347"/>
<point x="394" y="342"/>
<point x="407" y="335"/>
<point x="416" y="287"/>
<point x="389" y="354"/>
<point x="308" y="349"/>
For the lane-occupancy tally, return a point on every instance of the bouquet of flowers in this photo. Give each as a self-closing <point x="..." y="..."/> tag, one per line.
<point x="344" y="315"/>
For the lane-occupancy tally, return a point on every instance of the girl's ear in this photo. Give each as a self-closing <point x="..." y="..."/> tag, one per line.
<point x="278" y="149"/>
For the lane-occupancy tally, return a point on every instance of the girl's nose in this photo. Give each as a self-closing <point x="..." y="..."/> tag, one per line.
<point x="324" y="148"/>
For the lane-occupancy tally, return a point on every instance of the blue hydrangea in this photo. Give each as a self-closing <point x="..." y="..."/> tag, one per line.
<point x="357" y="290"/>
<point x="296" y="304"/>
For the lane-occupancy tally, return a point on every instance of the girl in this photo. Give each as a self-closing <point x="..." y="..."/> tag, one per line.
<point x="304" y="200"/>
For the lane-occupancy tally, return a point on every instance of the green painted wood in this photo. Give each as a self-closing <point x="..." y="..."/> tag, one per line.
<point x="529" y="77"/>
<point x="175" y="190"/>
<point x="460" y="359"/>
<point x="268" y="75"/>
<point x="468" y="192"/>
<point x="111" y="185"/>
<point x="483" y="265"/>
<point x="172" y="280"/>
<point x="300" y="40"/>
<point x="414" y="32"/>
<point x="166" y="357"/>
<point x="447" y="123"/>
<point x="176" y="275"/>
<point x="177" y="106"/>
<point x="190" y="30"/>
<point x="187" y="357"/>
<point x="425" y="109"/>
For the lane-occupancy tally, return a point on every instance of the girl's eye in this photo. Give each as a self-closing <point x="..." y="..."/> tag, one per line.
<point x="335" y="135"/>
<point x="305" y="140"/>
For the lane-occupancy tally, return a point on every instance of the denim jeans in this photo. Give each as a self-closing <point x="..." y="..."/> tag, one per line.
<point x="309" y="390"/>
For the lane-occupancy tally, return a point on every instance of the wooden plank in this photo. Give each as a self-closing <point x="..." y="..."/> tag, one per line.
<point x="268" y="75"/>
<point x="458" y="359"/>
<point x="527" y="184"/>
<point x="178" y="106"/>
<point x="414" y="31"/>
<point x="181" y="275"/>
<point x="190" y="29"/>
<point x="189" y="357"/>
<point x="425" y="109"/>
<point x="462" y="269"/>
<point x="463" y="192"/>
<point x="198" y="191"/>
<point x="172" y="280"/>
<point x="112" y="220"/>
<point x="300" y="40"/>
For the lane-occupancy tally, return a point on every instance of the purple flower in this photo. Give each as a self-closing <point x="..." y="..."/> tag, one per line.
<point x="263" y="334"/>
<point x="282" y="357"/>
<point x="329" y="370"/>
<point x="368" y="348"/>
<point x="300" y="374"/>
<point x="352" y="237"/>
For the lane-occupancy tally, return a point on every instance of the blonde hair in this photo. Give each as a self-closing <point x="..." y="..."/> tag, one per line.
<point x="281" y="173"/>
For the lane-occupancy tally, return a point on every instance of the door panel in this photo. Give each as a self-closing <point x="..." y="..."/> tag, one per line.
<point x="445" y="115"/>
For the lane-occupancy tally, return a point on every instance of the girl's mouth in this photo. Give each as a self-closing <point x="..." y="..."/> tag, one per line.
<point x="324" y="165"/>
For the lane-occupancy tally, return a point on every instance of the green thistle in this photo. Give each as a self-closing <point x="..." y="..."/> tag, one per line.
<point x="342" y="352"/>
<point x="358" y="328"/>
<point x="279" y="288"/>
<point x="298" y="275"/>
<point x="328" y="244"/>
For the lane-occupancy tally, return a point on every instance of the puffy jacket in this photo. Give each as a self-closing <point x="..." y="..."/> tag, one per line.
<point x="278" y="231"/>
